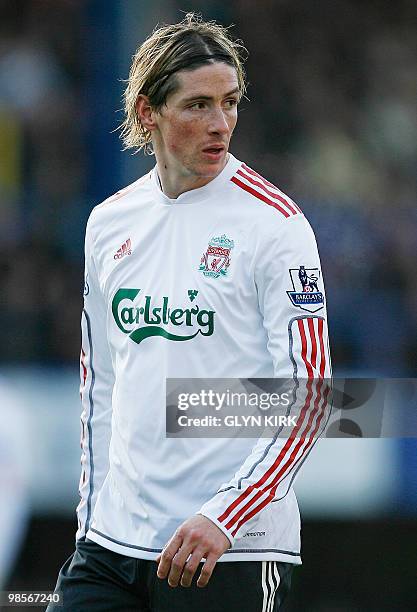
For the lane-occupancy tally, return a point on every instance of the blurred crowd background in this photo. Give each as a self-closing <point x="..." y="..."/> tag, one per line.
<point x="330" y="118"/>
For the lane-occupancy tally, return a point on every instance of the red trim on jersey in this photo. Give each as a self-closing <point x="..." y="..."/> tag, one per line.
<point x="271" y="495"/>
<point x="322" y="351"/>
<point x="313" y="342"/>
<point x="274" y="466"/>
<point x="279" y="477"/>
<point x="82" y="356"/>
<point x="124" y="191"/>
<point x="303" y="337"/>
<point x="291" y="462"/>
<point x="269" y="184"/>
<point x="260" y="196"/>
<point x="268" y="191"/>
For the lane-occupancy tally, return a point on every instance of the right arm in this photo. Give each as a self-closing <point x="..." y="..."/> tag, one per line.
<point x="97" y="380"/>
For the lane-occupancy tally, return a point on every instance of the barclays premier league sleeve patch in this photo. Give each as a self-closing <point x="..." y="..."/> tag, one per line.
<point x="306" y="288"/>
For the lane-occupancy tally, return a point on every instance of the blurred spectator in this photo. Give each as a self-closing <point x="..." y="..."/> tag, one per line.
<point x="42" y="161"/>
<point x="334" y="108"/>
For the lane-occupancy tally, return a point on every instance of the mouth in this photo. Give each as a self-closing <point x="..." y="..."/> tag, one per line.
<point x="214" y="152"/>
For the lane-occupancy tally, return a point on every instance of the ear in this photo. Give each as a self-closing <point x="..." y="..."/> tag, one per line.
<point x="145" y="112"/>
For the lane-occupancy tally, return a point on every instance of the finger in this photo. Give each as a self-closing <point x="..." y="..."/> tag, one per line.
<point x="177" y="565"/>
<point x="207" y="570"/>
<point x="191" y="567"/>
<point x="167" y="555"/>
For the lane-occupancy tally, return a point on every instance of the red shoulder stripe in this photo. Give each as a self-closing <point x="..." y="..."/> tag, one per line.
<point x="269" y="184"/>
<point x="268" y="191"/>
<point x="258" y="195"/>
<point x="124" y="191"/>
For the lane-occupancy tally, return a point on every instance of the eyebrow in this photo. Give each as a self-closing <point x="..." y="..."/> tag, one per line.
<point x="197" y="97"/>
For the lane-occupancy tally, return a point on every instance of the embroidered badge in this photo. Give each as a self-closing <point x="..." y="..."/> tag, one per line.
<point x="306" y="292"/>
<point x="216" y="260"/>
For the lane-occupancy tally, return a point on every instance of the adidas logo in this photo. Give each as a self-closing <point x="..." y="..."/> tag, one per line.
<point x="125" y="249"/>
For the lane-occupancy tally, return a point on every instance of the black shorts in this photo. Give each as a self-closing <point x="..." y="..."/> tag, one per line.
<point x="95" y="579"/>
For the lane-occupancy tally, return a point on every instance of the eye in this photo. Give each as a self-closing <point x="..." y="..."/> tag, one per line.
<point x="197" y="105"/>
<point x="231" y="102"/>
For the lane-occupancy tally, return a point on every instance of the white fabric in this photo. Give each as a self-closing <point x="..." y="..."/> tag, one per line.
<point x="138" y="490"/>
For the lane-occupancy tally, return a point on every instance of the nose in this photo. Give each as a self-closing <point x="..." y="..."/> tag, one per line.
<point x="218" y="122"/>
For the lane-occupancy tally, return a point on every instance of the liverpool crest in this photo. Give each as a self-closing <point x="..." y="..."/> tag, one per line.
<point x="216" y="260"/>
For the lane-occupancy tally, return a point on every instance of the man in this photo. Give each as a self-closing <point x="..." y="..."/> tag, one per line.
<point x="191" y="272"/>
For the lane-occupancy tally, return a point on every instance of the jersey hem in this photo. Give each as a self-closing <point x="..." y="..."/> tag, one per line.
<point x="151" y="554"/>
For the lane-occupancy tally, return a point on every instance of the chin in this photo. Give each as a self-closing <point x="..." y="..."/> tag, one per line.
<point x="210" y="169"/>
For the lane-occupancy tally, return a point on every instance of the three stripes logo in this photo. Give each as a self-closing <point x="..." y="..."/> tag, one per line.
<point x="270" y="584"/>
<point x="274" y="473"/>
<point x="125" y="249"/>
<point x="253" y="183"/>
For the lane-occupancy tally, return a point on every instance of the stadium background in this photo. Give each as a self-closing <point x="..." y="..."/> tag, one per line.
<point x="331" y="120"/>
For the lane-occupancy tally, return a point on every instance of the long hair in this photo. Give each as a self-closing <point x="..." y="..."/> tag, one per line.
<point x="182" y="46"/>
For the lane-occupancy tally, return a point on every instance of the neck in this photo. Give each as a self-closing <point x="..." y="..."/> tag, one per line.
<point x="175" y="186"/>
<point x="174" y="183"/>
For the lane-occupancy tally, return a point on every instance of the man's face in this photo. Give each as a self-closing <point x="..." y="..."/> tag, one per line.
<point x="194" y="128"/>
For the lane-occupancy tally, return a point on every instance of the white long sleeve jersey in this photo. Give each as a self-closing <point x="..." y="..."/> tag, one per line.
<point x="222" y="282"/>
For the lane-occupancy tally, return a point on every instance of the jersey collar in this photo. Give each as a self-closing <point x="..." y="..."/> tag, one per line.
<point x="195" y="195"/>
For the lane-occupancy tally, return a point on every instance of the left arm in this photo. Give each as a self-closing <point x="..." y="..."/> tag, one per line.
<point x="294" y="317"/>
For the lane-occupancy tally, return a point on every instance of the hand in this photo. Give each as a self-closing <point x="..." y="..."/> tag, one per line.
<point x="198" y="537"/>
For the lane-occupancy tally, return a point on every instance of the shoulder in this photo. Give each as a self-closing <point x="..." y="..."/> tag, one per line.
<point x="124" y="194"/>
<point x="262" y="197"/>
<point x="273" y="215"/>
<point x="128" y="198"/>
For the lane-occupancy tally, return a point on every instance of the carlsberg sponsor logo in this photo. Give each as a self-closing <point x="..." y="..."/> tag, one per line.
<point x="143" y="318"/>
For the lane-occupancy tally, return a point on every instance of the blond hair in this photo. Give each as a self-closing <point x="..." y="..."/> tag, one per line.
<point x="182" y="46"/>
